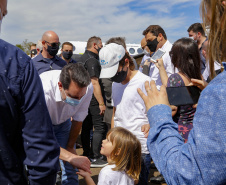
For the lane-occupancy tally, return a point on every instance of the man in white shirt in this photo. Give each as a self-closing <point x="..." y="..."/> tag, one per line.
<point x="156" y="38"/>
<point x="68" y="94"/>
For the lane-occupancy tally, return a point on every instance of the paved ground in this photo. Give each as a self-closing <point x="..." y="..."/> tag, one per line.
<point x="95" y="172"/>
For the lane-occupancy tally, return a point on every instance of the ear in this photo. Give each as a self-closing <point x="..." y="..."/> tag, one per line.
<point x="43" y="42"/>
<point x="224" y="3"/>
<point x="199" y="34"/>
<point x="60" y="86"/>
<point x="118" y="152"/>
<point x="160" y="36"/>
<point x="127" y="62"/>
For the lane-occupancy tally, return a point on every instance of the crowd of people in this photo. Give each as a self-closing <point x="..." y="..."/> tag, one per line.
<point x="122" y="111"/>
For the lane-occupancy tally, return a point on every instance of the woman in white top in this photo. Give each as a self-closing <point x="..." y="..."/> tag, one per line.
<point x="123" y="152"/>
<point x="129" y="110"/>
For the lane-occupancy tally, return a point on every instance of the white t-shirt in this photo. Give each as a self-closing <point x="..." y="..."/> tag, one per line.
<point x="60" y="111"/>
<point x="130" y="108"/>
<point x="109" y="177"/>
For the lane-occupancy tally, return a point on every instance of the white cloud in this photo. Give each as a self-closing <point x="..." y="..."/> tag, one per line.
<point x="80" y="19"/>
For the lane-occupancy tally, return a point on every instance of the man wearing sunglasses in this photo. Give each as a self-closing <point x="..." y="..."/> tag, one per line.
<point x="48" y="60"/>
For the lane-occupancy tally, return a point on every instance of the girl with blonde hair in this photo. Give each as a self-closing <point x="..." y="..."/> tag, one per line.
<point x="123" y="152"/>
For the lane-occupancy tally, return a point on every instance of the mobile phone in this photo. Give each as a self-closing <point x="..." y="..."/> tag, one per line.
<point x="157" y="55"/>
<point x="184" y="95"/>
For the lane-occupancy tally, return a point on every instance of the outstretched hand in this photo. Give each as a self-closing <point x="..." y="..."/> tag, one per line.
<point x="201" y="84"/>
<point x="81" y="162"/>
<point x="154" y="97"/>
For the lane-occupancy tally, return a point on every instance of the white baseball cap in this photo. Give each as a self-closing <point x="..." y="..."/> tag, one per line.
<point x="109" y="58"/>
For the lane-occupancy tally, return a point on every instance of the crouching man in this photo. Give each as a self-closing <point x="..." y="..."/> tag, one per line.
<point x="68" y="94"/>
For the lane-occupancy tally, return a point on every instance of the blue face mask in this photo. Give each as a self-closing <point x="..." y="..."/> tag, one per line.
<point x="71" y="101"/>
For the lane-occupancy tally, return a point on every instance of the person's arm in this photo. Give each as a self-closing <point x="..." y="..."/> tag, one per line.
<point x="112" y="119"/>
<point x="40" y="145"/>
<point x="87" y="177"/>
<point x="74" y="132"/>
<point x="98" y="95"/>
<point x="146" y="66"/>
<point x="80" y="162"/>
<point x="162" y="72"/>
<point x="189" y="163"/>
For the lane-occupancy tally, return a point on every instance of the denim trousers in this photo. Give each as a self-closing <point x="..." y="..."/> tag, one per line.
<point x="62" y="131"/>
<point x="93" y="119"/>
<point x="145" y="169"/>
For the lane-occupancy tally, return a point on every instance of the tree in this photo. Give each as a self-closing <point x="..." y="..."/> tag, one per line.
<point x="25" y="46"/>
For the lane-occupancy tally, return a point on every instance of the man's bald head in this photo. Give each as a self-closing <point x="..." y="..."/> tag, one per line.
<point x="50" y="36"/>
<point x="50" y="43"/>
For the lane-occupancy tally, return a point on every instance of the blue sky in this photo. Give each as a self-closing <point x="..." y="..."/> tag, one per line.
<point x="77" y="20"/>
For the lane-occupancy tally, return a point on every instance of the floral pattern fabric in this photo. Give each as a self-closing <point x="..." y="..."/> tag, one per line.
<point x="185" y="114"/>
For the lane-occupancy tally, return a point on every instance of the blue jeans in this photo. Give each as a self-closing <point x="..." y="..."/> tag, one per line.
<point x="62" y="131"/>
<point x="145" y="169"/>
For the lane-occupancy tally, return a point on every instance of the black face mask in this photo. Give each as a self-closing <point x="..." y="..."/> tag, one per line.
<point x="98" y="50"/>
<point x="152" y="45"/>
<point x="52" y="50"/>
<point x="67" y="54"/>
<point x="33" y="52"/>
<point x="120" y="76"/>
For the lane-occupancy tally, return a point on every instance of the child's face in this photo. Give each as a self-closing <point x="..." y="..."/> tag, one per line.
<point x="107" y="147"/>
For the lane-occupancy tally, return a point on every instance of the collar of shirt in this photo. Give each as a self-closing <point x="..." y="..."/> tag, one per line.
<point x="58" y="94"/>
<point x="40" y="58"/>
<point x="167" y="46"/>
<point x="91" y="54"/>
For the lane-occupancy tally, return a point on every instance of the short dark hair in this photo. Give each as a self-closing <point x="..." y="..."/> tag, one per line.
<point x="74" y="72"/>
<point x="197" y="27"/>
<point x="67" y="43"/>
<point x="32" y="44"/>
<point x="185" y="56"/>
<point x="117" y="40"/>
<point x="92" y="40"/>
<point x="155" y="30"/>
<point x="131" y="64"/>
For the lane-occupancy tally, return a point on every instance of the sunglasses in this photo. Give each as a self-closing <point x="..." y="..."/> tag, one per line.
<point x="54" y="45"/>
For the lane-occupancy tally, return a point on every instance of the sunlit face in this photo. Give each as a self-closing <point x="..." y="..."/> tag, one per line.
<point x="74" y="91"/>
<point x="150" y="37"/>
<point x="33" y="47"/>
<point x="107" y="147"/>
<point x="67" y="48"/>
<point x="193" y="34"/>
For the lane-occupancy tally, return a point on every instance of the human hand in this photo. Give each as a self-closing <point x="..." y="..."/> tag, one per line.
<point x="145" y="129"/>
<point x="154" y="97"/>
<point x="159" y="64"/>
<point x="80" y="162"/>
<point x="83" y="173"/>
<point x="201" y="84"/>
<point x="147" y="62"/>
<point x="102" y="109"/>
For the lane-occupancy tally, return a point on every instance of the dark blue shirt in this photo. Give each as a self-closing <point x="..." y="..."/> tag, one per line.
<point x="26" y="134"/>
<point x="72" y="61"/>
<point x="46" y="64"/>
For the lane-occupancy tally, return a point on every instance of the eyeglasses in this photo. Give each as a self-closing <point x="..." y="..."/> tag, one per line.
<point x="54" y="45"/>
